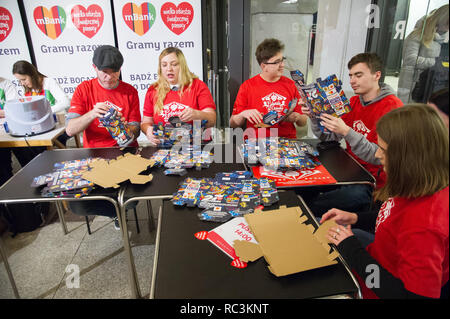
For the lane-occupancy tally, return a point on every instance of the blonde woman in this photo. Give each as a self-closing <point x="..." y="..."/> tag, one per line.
<point x="178" y="92"/>
<point x="420" y="50"/>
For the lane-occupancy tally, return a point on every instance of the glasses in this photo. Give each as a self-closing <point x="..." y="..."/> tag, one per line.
<point x="277" y="61"/>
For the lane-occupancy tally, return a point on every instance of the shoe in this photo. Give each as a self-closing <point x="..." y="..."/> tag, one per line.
<point x="116" y="223"/>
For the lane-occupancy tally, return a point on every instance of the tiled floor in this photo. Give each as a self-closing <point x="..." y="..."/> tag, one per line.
<point x="43" y="261"/>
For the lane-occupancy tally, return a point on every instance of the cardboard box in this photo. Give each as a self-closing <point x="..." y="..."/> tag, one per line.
<point x="125" y="167"/>
<point x="286" y="242"/>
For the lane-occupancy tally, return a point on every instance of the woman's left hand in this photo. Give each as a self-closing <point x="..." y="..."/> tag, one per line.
<point x="337" y="234"/>
<point x="188" y="115"/>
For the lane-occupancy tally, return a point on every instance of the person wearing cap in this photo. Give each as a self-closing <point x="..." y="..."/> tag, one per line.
<point x="89" y="101"/>
<point x="89" y="104"/>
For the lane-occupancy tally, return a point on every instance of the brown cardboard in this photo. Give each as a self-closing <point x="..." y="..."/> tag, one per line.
<point x="111" y="173"/>
<point x="247" y="251"/>
<point x="287" y="244"/>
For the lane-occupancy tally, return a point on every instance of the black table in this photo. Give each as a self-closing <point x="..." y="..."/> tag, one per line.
<point x="185" y="267"/>
<point x="17" y="189"/>
<point x="342" y="166"/>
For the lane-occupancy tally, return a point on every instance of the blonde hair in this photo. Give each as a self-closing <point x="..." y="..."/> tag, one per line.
<point x="162" y="86"/>
<point x="437" y="18"/>
<point x="417" y="155"/>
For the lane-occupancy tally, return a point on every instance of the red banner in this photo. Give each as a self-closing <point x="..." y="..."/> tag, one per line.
<point x="317" y="176"/>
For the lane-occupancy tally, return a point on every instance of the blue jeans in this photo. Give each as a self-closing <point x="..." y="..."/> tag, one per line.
<point x="364" y="237"/>
<point x="351" y="198"/>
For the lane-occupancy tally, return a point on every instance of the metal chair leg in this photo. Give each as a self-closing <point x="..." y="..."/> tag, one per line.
<point x="87" y="224"/>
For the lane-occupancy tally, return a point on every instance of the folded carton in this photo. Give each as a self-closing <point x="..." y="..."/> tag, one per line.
<point x="286" y="242"/>
<point x="125" y="167"/>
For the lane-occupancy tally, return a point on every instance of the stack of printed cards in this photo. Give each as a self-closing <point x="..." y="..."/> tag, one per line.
<point x="65" y="180"/>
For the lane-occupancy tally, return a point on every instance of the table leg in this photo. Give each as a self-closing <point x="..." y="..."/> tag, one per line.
<point x="121" y="215"/>
<point x="60" y="210"/>
<point x="151" y="219"/>
<point x="155" y="258"/>
<point x="8" y="269"/>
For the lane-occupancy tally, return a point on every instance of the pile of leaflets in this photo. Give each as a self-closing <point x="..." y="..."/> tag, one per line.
<point x="178" y="160"/>
<point x="280" y="154"/>
<point x="65" y="180"/>
<point x="176" y="131"/>
<point x="227" y="195"/>
<point x="324" y="96"/>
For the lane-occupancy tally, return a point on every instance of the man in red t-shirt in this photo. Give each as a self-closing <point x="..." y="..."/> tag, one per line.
<point x="88" y="105"/>
<point x="371" y="102"/>
<point x="265" y="92"/>
<point x="88" y="101"/>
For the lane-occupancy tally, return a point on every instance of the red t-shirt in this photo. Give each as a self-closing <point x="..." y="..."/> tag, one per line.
<point x="411" y="242"/>
<point x="256" y="93"/>
<point x="197" y="96"/>
<point x="89" y="93"/>
<point x="363" y="119"/>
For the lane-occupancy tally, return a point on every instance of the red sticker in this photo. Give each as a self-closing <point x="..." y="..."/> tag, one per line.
<point x="238" y="263"/>
<point x="89" y="20"/>
<point x="177" y="18"/>
<point x="202" y="235"/>
<point x="6" y="23"/>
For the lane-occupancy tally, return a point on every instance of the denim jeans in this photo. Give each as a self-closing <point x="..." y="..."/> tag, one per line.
<point x="351" y="198"/>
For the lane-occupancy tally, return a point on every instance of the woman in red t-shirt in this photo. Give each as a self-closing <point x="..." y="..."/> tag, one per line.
<point x="178" y="92"/>
<point x="409" y="255"/>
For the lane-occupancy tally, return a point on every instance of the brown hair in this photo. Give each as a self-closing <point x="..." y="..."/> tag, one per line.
<point x="162" y="86"/>
<point x="417" y="155"/>
<point x="372" y="60"/>
<point x="267" y="49"/>
<point x="26" y="68"/>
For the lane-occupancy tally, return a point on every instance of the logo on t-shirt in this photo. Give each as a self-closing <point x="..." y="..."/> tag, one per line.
<point x="384" y="212"/>
<point x="274" y="102"/>
<point x="360" y="127"/>
<point x="172" y="109"/>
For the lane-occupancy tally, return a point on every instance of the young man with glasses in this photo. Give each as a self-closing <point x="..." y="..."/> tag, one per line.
<point x="268" y="91"/>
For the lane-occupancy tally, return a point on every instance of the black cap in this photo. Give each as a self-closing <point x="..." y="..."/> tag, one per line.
<point x="107" y="57"/>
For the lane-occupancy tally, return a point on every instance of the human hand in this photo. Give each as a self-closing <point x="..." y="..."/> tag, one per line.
<point x="188" y="114"/>
<point x="2" y="113"/>
<point x="337" y="234"/>
<point x="252" y="115"/>
<point x="340" y="217"/>
<point x="334" y="124"/>
<point x="99" y="110"/>
<point x="152" y="138"/>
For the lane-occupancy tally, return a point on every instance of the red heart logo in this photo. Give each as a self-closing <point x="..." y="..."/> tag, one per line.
<point x="89" y="20"/>
<point x="51" y="22"/>
<point x="139" y="18"/>
<point x="177" y="18"/>
<point x="202" y="235"/>
<point x="238" y="263"/>
<point x="6" y="23"/>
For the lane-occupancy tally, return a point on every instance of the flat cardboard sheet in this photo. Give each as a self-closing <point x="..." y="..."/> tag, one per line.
<point x="287" y="244"/>
<point x="111" y="173"/>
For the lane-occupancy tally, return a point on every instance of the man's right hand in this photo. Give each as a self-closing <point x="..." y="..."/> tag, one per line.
<point x="99" y="110"/>
<point x="252" y="115"/>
